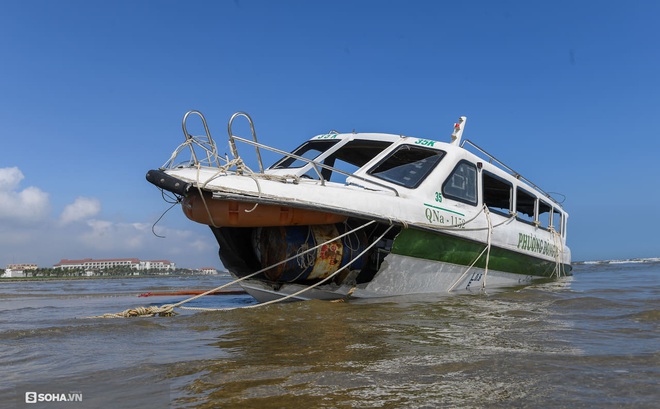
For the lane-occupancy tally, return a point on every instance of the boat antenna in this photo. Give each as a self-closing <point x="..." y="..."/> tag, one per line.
<point x="458" y="131"/>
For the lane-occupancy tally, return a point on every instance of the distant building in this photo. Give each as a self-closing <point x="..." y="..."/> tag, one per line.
<point x="156" y="265"/>
<point x="19" y="270"/>
<point x="97" y="264"/>
<point x="208" y="270"/>
<point x="88" y="264"/>
<point x="22" y="266"/>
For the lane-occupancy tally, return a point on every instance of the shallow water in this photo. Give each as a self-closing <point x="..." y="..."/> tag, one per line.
<point x="591" y="340"/>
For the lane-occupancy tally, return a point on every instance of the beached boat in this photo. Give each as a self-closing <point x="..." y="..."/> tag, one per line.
<point x="367" y="215"/>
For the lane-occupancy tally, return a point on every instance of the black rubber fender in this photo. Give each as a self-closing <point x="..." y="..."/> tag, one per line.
<point x="164" y="181"/>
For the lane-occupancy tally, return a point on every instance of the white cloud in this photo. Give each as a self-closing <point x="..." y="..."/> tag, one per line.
<point x="106" y="235"/>
<point x="82" y="208"/>
<point x="29" y="205"/>
<point x="10" y="178"/>
<point x="30" y="233"/>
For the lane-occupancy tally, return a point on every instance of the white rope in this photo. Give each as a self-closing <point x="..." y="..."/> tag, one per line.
<point x="306" y="262"/>
<point x="305" y="289"/>
<point x="203" y="199"/>
<point x="457" y="227"/>
<point x="466" y="271"/>
<point x="168" y="308"/>
<point x="241" y="168"/>
<point x="486" y="249"/>
<point x="273" y="265"/>
<point x="211" y="154"/>
<point x="559" y="253"/>
<point x="490" y="235"/>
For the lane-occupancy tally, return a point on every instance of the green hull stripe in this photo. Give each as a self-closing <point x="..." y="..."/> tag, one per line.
<point x="442" y="208"/>
<point x="455" y="250"/>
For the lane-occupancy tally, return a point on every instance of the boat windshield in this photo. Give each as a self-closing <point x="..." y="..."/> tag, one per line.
<point x="308" y="150"/>
<point x="337" y="164"/>
<point x="408" y="165"/>
<point x="350" y="157"/>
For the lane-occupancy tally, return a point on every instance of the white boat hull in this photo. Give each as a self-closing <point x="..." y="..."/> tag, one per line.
<point x="399" y="275"/>
<point x="405" y="215"/>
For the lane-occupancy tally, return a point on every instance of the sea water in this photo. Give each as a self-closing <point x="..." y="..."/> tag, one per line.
<point x="591" y="340"/>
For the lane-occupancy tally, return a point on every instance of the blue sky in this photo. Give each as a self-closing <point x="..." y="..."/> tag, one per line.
<point x="92" y="94"/>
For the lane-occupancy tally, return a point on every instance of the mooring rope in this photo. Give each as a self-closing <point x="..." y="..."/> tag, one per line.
<point x="489" y="238"/>
<point x="168" y="309"/>
<point x="201" y="196"/>
<point x="211" y="154"/>
<point x="485" y="250"/>
<point x="460" y="226"/>
<point x="559" y="252"/>
<point x="241" y="168"/>
<point x="305" y="289"/>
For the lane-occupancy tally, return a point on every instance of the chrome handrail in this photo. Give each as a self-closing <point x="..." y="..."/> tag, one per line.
<point x="212" y="154"/>
<point x="213" y="157"/>
<point x="232" y="144"/>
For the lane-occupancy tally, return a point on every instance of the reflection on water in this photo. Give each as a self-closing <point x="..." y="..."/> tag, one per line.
<point x="587" y="341"/>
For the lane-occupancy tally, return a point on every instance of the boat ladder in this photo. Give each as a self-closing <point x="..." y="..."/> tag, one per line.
<point x="232" y="142"/>
<point x="208" y="152"/>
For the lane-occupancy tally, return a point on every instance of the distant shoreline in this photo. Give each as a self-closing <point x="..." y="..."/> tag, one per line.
<point x="14" y="279"/>
<point x="646" y="260"/>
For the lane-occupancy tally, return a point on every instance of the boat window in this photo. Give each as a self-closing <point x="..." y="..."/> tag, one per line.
<point x="556" y="220"/>
<point x="497" y="193"/>
<point x="525" y="204"/>
<point x="461" y="184"/>
<point x="408" y="165"/>
<point x="544" y="214"/>
<point x="351" y="157"/>
<point x="308" y="150"/>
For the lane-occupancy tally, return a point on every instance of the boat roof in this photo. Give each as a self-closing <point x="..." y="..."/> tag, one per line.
<point x="457" y="146"/>
<point x="372" y="136"/>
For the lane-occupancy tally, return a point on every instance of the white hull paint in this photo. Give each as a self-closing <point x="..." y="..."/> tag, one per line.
<point x="399" y="275"/>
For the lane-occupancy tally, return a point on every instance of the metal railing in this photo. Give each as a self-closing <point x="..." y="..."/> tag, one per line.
<point x="508" y="169"/>
<point x="315" y="165"/>
<point x="232" y="144"/>
<point x="207" y="144"/>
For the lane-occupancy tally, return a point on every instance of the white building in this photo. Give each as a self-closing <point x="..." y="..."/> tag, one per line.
<point x="9" y="273"/>
<point x="88" y="264"/>
<point x="19" y="270"/>
<point x="208" y="270"/>
<point x="156" y="265"/>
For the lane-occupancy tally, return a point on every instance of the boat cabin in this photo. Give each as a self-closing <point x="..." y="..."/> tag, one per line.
<point x="425" y="169"/>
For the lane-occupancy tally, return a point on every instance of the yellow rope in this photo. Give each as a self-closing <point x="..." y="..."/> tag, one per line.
<point x="346" y="297"/>
<point x="162" y="311"/>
